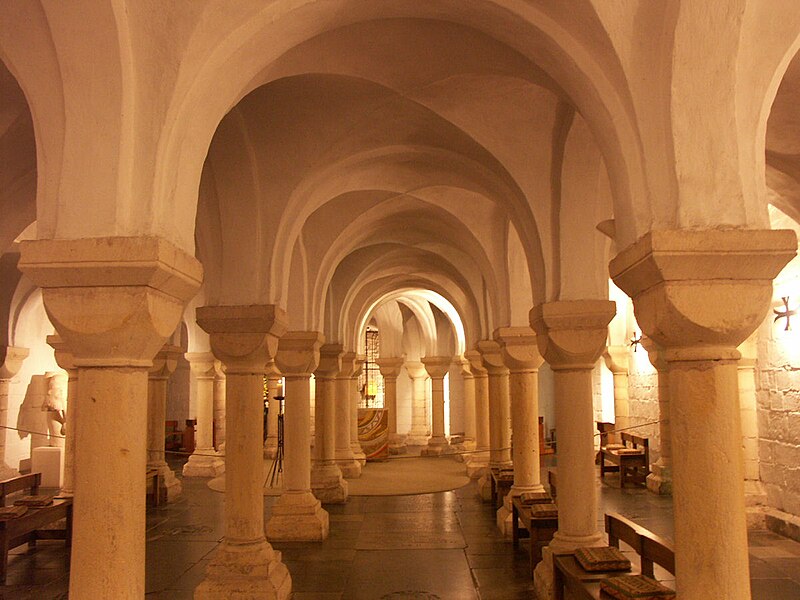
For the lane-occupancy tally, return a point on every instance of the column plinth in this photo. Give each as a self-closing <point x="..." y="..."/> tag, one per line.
<point x="297" y="515"/>
<point x="478" y="461"/>
<point x="390" y="369"/>
<point x="345" y="458"/>
<point x="114" y="302"/>
<point x="164" y="364"/>
<point x="204" y="461"/>
<point x="571" y="336"/>
<point x="521" y="355"/>
<point x="437" y="367"/>
<point x="11" y="359"/>
<point x="244" y="339"/>
<point x="327" y="482"/>
<point x="699" y="294"/>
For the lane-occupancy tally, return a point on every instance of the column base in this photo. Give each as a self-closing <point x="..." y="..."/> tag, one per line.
<point x="298" y="517"/>
<point x="204" y="464"/>
<point x="504" y="517"/>
<point x="435" y="447"/>
<point x="477" y="465"/>
<point x="397" y="443"/>
<point x="417" y="438"/>
<point x="659" y="481"/>
<point x="543" y="574"/>
<point x="358" y="453"/>
<point x="247" y="572"/>
<point x="327" y="484"/>
<point x="350" y="467"/>
<point x="485" y="486"/>
<point x="170" y="488"/>
<point x="755" y="501"/>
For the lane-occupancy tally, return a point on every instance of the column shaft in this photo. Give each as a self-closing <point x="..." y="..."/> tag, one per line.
<point x="271" y="443"/>
<point x="204" y="461"/>
<point x="345" y="458"/>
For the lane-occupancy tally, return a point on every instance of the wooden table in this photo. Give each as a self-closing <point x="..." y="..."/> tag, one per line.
<point x="540" y="529"/>
<point x="27" y="529"/>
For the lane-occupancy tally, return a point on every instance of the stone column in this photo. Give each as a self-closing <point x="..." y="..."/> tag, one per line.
<point x="617" y="359"/>
<point x="244" y="565"/>
<point x="479" y="460"/>
<point x="204" y="461"/>
<point x="571" y="336"/>
<point x="469" y="442"/>
<point x="499" y="405"/>
<point x="521" y="356"/>
<point x="659" y="480"/>
<point x="355" y="398"/>
<point x="114" y="302"/>
<point x="418" y="434"/>
<point x="219" y="411"/>
<point x="327" y="482"/>
<point x="344" y="451"/>
<point x="164" y="365"/>
<point x="390" y="369"/>
<point x="699" y="294"/>
<point x="297" y="515"/>
<point x="10" y="363"/>
<point x="66" y="361"/>
<point x="273" y="381"/>
<point x="437" y="367"/>
<point x="754" y="492"/>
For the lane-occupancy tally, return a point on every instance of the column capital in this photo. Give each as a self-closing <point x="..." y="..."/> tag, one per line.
<point x="699" y="294"/>
<point x="618" y="359"/>
<point x="463" y="364"/>
<point x="437" y="366"/>
<point x="11" y="359"/>
<point x="349" y="360"/>
<point x="390" y="366"/>
<point x="202" y="364"/>
<point x="415" y="369"/>
<point x="165" y="362"/>
<point x="330" y="361"/>
<point x="519" y="348"/>
<point x="298" y="353"/>
<point x="572" y="334"/>
<point x="492" y="357"/>
<point x="244" y="338"/>
<point x="655" y="354"/>
<point x="113" y="300"/>
<point x="473" y="358"/>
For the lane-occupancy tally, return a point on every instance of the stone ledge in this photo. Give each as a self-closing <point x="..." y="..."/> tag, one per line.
<point x="783" y="523"/>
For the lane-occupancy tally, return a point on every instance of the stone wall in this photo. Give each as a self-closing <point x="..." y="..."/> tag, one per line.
<point x="643" y="400"/>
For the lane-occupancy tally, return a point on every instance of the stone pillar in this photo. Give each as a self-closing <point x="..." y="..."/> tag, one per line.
<point x="297" y="515"/>
<point x="571" y="336"/>
<point x="521" y="356"/>
<point x="355" y="399"/>
<point x="164" y="365"/>
<point x="499" y="405"/>
<point x="273" y="381"/>
<point x="659" y="480"/>
<point x="469" y="442"/>
<point x="327" y="482"/>
<point x="345" y="458"/>
<point x="437" y="367"/>
<point x="699" y="294"/>
<point x="114" y="302"/>
<point x="244" y="339"/>
<point x="479" y="460"/>
<point x="204" y="461"/>
<point x="617" y="359"/>
<point x="390" y="369"/>
<point x="219" y="411"/>
<point x="66" y="361"/>
<point x="10" y="363"/>
<point x="754" y="492"/>
<point x="418" y="434"/>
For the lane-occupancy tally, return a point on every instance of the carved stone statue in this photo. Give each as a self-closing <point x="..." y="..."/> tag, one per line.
<point x="56" y="406"/>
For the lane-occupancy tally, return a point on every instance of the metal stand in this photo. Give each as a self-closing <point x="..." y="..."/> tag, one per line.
<point x="275" y="474"/>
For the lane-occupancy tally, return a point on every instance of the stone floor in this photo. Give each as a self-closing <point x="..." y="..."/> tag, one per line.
<point x="434" y="546"/>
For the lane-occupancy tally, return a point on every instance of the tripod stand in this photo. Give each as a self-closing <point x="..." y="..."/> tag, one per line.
<point x="275" y="473"/>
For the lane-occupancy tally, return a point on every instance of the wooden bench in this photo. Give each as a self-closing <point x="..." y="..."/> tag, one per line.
<point x="632" y="460"/>
<point x="500" y="484"/>
<point x="585" y="585"/>
<point x="552" y="481"/>
<point x="28" y="527"/>
<point x="153" y="481"/>
<point x="539" y="530"/>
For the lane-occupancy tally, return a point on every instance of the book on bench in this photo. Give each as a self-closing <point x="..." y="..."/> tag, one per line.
<point x="602" y="558"/>
<point x="547" y="510"/>
<point x="12" y="512"/>
<point x="629" y="451"/>
<point x="638" y="587"/>
<point x="535" y="498"/>
<point x="35" y="501"/>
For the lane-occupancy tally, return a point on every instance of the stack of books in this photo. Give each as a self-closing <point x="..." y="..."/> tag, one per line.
<point x="12" y="512"/>
<point x="35" y="501"/>
<point x="545" y="510"/>
<point x="602" y="558"/>
<point x="535" y="498"/>
<point x="639" y="587"/>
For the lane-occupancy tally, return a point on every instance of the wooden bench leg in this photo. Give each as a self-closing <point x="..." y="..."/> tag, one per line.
<point x="3" y="559"/>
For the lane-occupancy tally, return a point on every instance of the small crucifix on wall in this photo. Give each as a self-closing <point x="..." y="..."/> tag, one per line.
<point x="785" y="313"/>
<point x="636" y="340"/>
